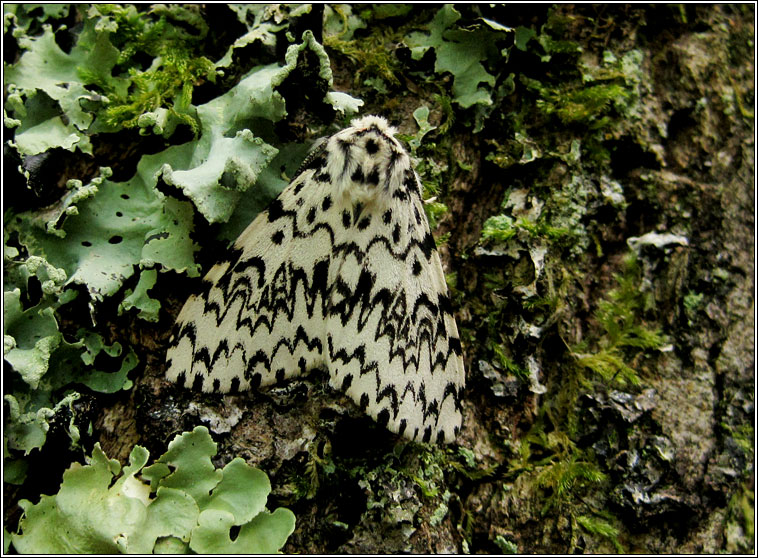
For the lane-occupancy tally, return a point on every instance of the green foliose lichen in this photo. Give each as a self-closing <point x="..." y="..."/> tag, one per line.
<point x="180" y="503"/>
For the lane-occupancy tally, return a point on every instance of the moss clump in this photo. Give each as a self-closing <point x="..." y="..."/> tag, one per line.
<point x="176" y="66"/>
<point x="624" y="336"/>
<point x="370" y="53"/>
<point x="561" y="469"/>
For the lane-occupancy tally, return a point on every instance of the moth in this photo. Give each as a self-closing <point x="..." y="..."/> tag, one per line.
<point x="341" y="272"/>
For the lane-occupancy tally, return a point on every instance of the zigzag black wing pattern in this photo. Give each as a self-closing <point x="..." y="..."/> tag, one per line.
<point x="392" y="343"/>
<point x="261" y="317"/>
<point x="342" y="272"/>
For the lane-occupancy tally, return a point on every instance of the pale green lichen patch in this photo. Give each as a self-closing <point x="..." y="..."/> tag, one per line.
<point x="102" y="508"/>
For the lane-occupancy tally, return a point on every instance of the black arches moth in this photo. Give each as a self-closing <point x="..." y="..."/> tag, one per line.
<point x="340" y="272"/>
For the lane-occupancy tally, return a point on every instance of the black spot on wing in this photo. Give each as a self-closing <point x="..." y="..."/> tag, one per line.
<point x="427" y="245"/>
<point x="364" y="223"/>
<point x="455" y="345"/>
<point x="197" y="384"/>
<point x="235" y="385"/>
<point x="416" y="268"/>
<point x="410" y="181"/>
<point x="275" y="210"/>
<point x="396" y="234"/>
<point x="327" y="203"/>
<point x="387" y="217"/>
<point x="427" y="434"/>
<point x="444" y="303"/>
<point x="402" y="427"/>
<point x="347" y="381"/>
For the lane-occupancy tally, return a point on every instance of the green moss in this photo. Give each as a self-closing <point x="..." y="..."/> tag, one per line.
<point x="176" y="69"/>
<point x="740" y="521"/>
<point x="370" y="54"/>
<point x="624" y="334"/>
<point x="598" y="525"/>
<point x="692" y="301"/>
<point x="501" y="228"/>
<point x="559" y="470"/>
<point x="508" y="364"/>
<point x="508" y="547"/>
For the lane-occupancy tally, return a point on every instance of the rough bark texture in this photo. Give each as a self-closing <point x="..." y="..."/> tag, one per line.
<point x="562" y="461"/>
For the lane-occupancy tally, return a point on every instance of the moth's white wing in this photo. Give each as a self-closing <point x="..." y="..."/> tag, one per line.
<point x="392" y="342"/>
<point x="260" y="317"/>
<point x="340" y="271"/>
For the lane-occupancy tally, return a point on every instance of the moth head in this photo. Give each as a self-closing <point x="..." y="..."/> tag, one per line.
<point x="368" y="164"/>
